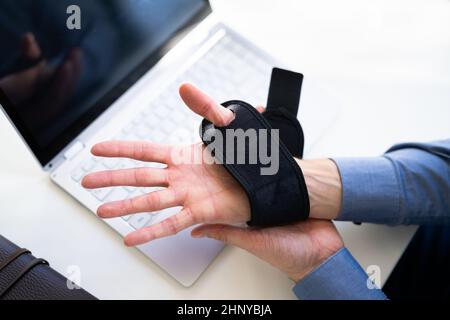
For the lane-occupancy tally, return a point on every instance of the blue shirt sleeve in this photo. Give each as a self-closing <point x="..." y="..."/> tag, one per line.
<point x="410" y="184"/>
<point x="338" y="278"/>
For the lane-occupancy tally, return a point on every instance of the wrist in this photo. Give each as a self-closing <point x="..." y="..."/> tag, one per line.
<point x="325" y="243"/>
<point x="324" y="187"/>
<point x="299" y="276"/>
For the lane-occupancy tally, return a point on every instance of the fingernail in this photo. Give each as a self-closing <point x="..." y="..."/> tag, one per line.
<point x="197" y="235"/>
<point x="229" y="116"/>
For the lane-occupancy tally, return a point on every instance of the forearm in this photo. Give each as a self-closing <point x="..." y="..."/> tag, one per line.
<point x="324" y="187"/>
<point x="408" y="185"/>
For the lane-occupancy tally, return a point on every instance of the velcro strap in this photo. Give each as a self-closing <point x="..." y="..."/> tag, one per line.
<point x="273" y="181"/>
<point x="282" y="108"/>
<point x="291" y="132"/>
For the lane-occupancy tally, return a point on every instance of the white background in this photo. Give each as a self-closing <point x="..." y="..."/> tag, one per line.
<point x="386" y="62"/>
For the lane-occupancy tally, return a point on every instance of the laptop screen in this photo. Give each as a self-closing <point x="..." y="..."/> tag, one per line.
<point x="62" y="63"/>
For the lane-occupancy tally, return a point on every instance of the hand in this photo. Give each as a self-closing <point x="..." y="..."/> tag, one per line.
<point x="21" y="85"/>
<point x="42" y="90"/>
<point x="294" y="249"/>
<point x="207" y="193"/>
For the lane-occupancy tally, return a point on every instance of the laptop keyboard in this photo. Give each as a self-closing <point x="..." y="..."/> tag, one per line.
<point x="227" y="71"/>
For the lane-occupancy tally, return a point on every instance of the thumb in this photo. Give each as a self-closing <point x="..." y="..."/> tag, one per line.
<point x="30" y="47"/>
<point x="235" y="236"/>
<point x="205" y="106"/>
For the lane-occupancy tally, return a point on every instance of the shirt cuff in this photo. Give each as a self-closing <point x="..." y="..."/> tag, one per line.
<point x="370" y="191"/>
<point x="338" y="278"/>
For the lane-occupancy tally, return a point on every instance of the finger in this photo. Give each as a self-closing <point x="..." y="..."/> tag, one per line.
<point x="261" y="109"/>
<point x="74" y="58"/>
<point x="30" y="47"/>
<point x="154" y="201"/>
<point x="205" y="106"/>
<point x="66" y="78"/>
<point x="165" y="228"/>
<point x="138" y="150"/>
<point x="22" y="85"/>
<point x="60" y="85"/>
<point x="138" y="177"/>
<point x="235" y="236"/>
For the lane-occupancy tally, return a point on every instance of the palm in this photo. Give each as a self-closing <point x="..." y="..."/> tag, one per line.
<point x="299" y="246"/>
<point x="295" y="249"/>
<point x="209" y="192"/>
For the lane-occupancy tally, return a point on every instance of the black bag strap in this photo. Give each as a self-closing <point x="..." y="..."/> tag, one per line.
<point x="21" y="274"/>
<point x="16" y="254"/>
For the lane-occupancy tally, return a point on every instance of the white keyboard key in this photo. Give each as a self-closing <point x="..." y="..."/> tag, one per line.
<point x="129" y="163"/>
<point x="130" y="190"/>
<point x="89" y="165"/>
<point x="136" y="121"/>
<point x="129" y="137"/>
<point x="157" y="136"/>
<point x="180" y="136"/>
<point x="145" y="112"/>
<point x="178" y="117"/>
<point x="136" y="193"/>
<point x="164" y="214"/>
<point x="168" y="126"/>
<point x="126" y="218"/>
<point x="101" y="194"/>
<point x="142" y="132"/>
<point x="148" y="190"/>
<point x="110" y="163"/>
<point x="140" y="220"/>
<point x="78" y="174"/>
<point x="121" y="136"/>
<point x="162" y="111"/>
<point x="74" y="150"/>
<point x="128" y="128"/>
<point x="117" y="194"/>
<point x="152" y="121"/>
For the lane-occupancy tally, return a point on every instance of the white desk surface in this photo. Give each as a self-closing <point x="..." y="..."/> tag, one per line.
<point x="387" y="62"/>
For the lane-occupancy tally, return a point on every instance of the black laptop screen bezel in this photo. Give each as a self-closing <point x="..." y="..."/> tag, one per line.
<point x="45" y="155"/>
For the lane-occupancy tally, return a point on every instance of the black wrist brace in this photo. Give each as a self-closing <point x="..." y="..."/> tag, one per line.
<point x="275" y="198"/>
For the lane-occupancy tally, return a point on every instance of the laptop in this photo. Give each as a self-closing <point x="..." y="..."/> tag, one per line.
<point x="117" y="77"/>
